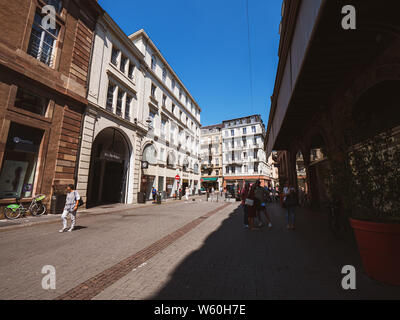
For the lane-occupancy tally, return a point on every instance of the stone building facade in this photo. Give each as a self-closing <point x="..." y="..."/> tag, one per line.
<point x="211" y="157"/>
<point x="171" y="147"/>
<point x="43" y="86"/>
<point x="243" y="154"/>
<point x="114" y="124"/>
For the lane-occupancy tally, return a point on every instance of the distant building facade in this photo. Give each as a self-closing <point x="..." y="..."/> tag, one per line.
<point x="243" y="155"/>
<point x="211" y="157"/>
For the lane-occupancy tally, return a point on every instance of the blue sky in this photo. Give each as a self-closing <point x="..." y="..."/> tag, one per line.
<point x="205" y="42"/>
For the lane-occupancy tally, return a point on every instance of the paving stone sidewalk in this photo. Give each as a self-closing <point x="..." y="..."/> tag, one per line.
<point x="28" y="221"/>
<point x="98" y="243"/>
<point x="222" y="260"/>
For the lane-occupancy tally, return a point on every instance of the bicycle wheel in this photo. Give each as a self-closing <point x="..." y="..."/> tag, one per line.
<point x="38" y="209"/>
<point x="12" y="214"/>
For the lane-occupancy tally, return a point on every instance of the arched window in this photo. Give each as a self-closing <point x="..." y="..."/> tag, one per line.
<point x="150" y="154"/>
<point x="171" y="159"/>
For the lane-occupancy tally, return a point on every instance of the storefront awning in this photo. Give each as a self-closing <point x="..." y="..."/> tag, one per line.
<point x="209" y="179"/>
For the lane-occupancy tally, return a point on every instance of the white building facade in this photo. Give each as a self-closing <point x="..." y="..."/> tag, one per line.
<point x="172" y="144"/>
<point x="211" y="157"/>
<point x="243" y="153"/>
<point x="114" y="124"/>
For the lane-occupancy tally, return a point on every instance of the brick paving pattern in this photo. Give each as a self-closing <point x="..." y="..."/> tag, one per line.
<point x="98" y="283"/>
<point x="214" y="258"/>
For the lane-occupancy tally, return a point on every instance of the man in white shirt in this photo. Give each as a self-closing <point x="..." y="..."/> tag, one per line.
<point x="71" y="206"/>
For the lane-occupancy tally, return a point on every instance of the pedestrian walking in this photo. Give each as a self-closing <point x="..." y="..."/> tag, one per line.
<point x="261" y="198"/>
<point x="251" y="207"/>
<point x="70" y="208"/>
<point x="212" y="194"/>
<point x="154" y="194"/>
<point x="187" y="193"/>
<point x="291" y="202"/>
<point x="243" y="195"/>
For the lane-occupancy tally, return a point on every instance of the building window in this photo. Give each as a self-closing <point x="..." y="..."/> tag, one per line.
<point x="244" y="142"/>
<point x="42" y="43"/>
<point x="162" y="156"/>
<point x="122" y="66"/>
<point x="128" y="103"/>
<point x="253" y="129"/>
<point x="57" y="4"/>
<point x="153" y="63"/>
<point x="256" y="167"/>
<point x="173" y="108"/>
<point x="131" y="71"/>
<point x="180" y="94"/>
<point x="255" y="153"/>
<point x="114" y="56"/>
<point x="152" y="117"/>
<point x="164" y="74"/>
<point x="31" y="102"/>
<point x="110" y="97"/>
<point x="19" y="166"/>
<point x="164" y="100"/>
<point x="244" y="130"/>
<point x="232" y="133"/>
<point x="163" y="125"/>
<point x="173" y="84"/>
<point x="153" y="90"/>
<point x="119" y="102"/>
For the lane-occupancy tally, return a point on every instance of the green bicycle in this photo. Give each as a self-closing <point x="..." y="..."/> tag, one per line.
<point x="36" y="208"/>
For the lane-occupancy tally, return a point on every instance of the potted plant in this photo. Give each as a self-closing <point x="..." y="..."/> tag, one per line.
<point x="367" y="183"/>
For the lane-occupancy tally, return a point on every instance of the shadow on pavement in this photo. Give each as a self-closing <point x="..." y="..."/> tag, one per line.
<point x="234" y="263"/>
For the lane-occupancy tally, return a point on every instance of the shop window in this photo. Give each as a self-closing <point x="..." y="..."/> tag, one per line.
<point x="20" y="161"/>
<point x="31" y="102"/>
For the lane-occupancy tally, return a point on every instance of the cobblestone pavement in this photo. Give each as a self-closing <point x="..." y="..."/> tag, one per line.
<point x="216" y="258"/>
<point x="222" y="260"/>
<point x="99" y="242"/>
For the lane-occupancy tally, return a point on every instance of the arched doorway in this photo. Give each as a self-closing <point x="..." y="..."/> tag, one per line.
<point x="318" y="171"/>
<point x="108" y="169"/>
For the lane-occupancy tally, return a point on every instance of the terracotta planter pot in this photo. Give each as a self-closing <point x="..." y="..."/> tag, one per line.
<point x="379" y="247"/>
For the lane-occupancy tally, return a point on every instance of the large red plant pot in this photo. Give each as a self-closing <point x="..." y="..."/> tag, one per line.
<point x="379" y="247"/>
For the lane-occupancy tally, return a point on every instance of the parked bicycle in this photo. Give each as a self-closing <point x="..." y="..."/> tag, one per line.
<point x="36" y="208"/>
